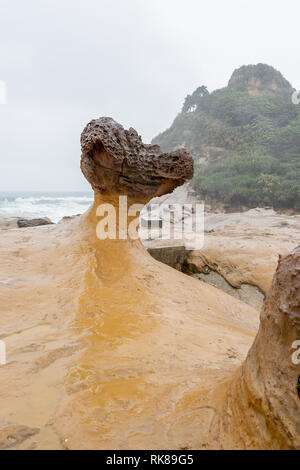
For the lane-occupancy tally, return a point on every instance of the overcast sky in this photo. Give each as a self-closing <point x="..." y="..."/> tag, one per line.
<point x="66" y="62"/>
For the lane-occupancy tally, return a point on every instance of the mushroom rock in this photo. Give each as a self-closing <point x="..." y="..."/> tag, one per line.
<point x="115" y="161"/>
<point x="108" y="348"/>
<point x="261" y="407"/>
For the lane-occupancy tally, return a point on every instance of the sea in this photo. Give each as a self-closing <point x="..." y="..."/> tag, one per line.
<point x="54" y="205"/>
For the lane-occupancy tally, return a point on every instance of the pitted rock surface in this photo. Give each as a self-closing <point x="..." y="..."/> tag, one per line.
<point x="116" y="161"/>
<point x="261" y="408"/>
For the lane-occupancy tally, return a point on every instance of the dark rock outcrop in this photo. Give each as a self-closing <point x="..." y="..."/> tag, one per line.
<point x="33" y="222"/>
<point x="15" y="434"/>
<point x="116" y="161"/>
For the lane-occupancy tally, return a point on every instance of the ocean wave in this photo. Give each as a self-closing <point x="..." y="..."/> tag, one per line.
<point x="54" y="207"/>
<point x="55" y="199"/>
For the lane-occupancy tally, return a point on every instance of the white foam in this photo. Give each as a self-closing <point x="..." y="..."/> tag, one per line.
<point x="45" y="206"/>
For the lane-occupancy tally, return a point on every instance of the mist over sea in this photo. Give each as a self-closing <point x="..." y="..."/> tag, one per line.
<point x="54" y="205"/>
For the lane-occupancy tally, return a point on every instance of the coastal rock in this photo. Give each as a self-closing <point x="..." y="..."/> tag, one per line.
<point x="115" y="160"/>
<point x="15" y="435"/>
<point x="22" y="223"/>
<point x="261" y="407"/>
<point x="7" y="223"/>
<point x="258" y="80"/>
<point x="107" y="348"/>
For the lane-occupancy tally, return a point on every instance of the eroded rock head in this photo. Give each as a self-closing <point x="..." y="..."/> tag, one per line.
<point x="116" y="161"/>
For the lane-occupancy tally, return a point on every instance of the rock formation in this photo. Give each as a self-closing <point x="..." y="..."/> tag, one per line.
<point x="261" y="408"/>
<point x="258" y="79"/>
<point x="22" y="223"/>
<point x="7" y="223"/>
<point x="115" y="161"/>
<point x="241" y="248"/>
<point x="108" y="348"/>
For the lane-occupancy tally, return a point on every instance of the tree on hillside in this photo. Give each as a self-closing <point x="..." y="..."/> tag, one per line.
<point x="192" y="102"/>
<point x="250" y="142"/>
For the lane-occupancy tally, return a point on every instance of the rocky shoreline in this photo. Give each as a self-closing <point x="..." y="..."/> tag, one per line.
<point x="240" y="251"/>
<point x="7" y="223"/>
<point x="108" y="348"/>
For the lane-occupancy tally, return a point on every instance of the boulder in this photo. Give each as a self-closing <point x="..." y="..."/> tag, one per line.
<point x="22" y="223"/>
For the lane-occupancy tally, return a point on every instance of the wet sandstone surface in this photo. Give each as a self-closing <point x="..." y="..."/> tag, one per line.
<point x="240" y="250"/>
<point x="109" y="348"/>
<point x="116" y="161"/>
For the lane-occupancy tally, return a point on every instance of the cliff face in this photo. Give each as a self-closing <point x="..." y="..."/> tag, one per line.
<point x="109" y="349"/>
<point x="245" y="140"/>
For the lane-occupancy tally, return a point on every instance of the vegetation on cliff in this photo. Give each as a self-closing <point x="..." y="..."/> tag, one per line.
<point x="245" y="139"/>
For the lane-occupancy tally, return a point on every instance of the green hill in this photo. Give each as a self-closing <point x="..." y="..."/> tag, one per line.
<point x="245" y="140"/>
